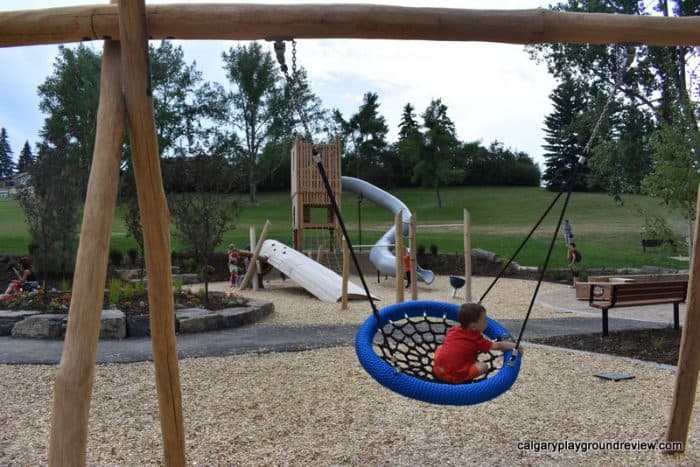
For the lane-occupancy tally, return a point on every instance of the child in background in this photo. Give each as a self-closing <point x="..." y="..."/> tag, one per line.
<point x="233" y="257"/>
<point x="456" y="359"/>
<point x="407" y="267"/>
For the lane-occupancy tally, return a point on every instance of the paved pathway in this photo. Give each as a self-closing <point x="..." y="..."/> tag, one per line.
<point x="267" y="338"/>
<point x="263" y="338"/>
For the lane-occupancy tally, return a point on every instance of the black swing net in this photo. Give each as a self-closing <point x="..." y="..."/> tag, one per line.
<point x="409" y="344"/>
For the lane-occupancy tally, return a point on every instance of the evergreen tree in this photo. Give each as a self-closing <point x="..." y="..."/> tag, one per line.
<point x="566" y="137"/>
<point x="408" y="121"/>
<point x="435" y="165"/>
<point x="7" y="165"/>
<point x="407" y="149"/>
<point x="366" y="133"/>
<point x="26" y="158"/>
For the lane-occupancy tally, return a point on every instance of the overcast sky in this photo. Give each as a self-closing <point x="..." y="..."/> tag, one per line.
<point x="493" y="91"/>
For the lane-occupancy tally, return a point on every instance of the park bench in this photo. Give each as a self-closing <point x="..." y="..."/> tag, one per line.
<point x="648" y="243"/>
<point x="637" y="294"/>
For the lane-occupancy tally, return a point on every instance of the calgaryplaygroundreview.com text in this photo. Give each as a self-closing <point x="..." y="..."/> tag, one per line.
<point x="585" y="446"/>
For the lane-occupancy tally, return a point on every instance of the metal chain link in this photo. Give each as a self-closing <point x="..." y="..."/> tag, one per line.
<point x="294" y="86"/>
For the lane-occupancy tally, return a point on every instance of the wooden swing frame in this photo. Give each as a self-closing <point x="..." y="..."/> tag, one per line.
<point x="126" y="28"/>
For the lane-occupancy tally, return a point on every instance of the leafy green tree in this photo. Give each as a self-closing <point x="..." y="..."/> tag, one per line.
<point x="176" y="103"/>
<point x="254" y="102"/>
<point x="26" y="158"/>
<point x="7" y="165"/>
<point x="51" y="204"/>
<point x="495" y="165"/>
<point x="202" y="216"/>
<point x="675" y="159"/>
<point x="620" y="162"/>
<point x="435" y="165"/>
<point x="69" y="97"/>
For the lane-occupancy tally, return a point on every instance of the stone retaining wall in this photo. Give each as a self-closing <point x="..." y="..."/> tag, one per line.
<point x="114" y="324"/>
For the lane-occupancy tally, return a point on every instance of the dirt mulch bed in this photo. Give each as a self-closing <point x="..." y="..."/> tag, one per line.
<point x="134" y="304"/>
<point x="656" y="345"/>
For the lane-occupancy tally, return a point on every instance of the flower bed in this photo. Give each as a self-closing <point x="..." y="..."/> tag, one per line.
<point x="135" y="303"/>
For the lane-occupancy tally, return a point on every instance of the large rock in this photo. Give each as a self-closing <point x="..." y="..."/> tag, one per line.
<point x="112" y="325"/>
<point x="9" y="318"/>
<point x="197" y="320"/>
<point x="138" y="325"/>
<point x="41" y="327"/>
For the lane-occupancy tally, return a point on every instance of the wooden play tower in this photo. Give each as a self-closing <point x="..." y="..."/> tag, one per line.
<point x="311" y="207"/>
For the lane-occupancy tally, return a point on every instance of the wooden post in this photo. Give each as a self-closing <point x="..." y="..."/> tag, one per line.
<point x="398" y="251"/>
<point x="414" y="263"/>
<point x="689" y="357"/>
<point x="319" y="252"/>
<point x="253" y="264"/>
<point x="467" y="257"/>
<point x="346" y="275"/>
<point x="75" y="374"/>
<point x="249" y="273"/>
<point x="155" y="219"/>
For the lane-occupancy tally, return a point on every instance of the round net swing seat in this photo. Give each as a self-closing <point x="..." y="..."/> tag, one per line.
<point x="401" y="357"/>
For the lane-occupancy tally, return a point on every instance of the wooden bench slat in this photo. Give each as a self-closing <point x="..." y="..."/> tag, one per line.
<point x="635" y="303"/>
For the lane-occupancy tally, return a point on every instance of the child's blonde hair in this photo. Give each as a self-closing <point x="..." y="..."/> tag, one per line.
<point x="470" y="313"/>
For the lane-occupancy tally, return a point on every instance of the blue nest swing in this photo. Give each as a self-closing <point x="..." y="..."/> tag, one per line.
<point x="397" y="350"/>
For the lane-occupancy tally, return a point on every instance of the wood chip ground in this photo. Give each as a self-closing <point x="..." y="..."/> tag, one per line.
<point x="320" y="408"/>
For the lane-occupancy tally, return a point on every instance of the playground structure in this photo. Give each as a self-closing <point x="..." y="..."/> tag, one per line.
<point x="308" y="193"/>
<point x="126" y="29"/>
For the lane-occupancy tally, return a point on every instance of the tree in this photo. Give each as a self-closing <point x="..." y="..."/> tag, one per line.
<point x="254" y="101"/>
<point x="366" y="134"/>
<point x="435" y="165"/>
<point x="675" y="159"/>
<point x="7" y="165"/>
<point x="175" y="93"/>
<point x="566" y="135"/>
<point x="69" y="97"/>
<point x="620" y="162"/>
<point x="51" y="205"/>
<point x="26" y="158"/>
<point x="202" y="217"/>
<point x="134" y="229"/>
<point x="409" y="146"/>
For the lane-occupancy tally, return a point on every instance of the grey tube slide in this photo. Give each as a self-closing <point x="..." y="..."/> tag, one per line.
<point x="380" y="255"/>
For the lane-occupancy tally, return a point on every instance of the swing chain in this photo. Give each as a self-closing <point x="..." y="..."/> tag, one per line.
<point x="294" y="86"/>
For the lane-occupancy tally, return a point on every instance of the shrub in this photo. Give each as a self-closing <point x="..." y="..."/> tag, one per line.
<point x="133" y="255"/>
<point x="116" y="257"/>
<point x="115" y="290"/>
<point x="189" y="264"/>
<point x="421" y="250"/>
<point x="127" y="290"/>
<point x="433" y="249"/>
<point x="64" y="285"/>
<point x="177" y="286"/>
<point x="139" y="288"/>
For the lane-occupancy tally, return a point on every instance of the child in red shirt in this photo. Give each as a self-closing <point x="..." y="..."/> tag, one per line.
<point x="456" y="359"/>
<point x="407" y="267"/>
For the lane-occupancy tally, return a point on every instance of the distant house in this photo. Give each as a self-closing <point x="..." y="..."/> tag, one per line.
<point x="10" y="186"/>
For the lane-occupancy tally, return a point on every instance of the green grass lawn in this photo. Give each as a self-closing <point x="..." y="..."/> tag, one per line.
<point x="606" y="233"/>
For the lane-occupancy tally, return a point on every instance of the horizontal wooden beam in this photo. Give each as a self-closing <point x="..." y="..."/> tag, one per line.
<point x="344" y="21"/>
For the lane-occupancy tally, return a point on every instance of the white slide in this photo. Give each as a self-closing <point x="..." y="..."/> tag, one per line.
<point x="322" y="282"/>
<point x="380" y="255"/>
